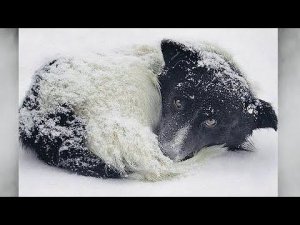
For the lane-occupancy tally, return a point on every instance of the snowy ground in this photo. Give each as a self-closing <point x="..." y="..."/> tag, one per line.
<point x="223" y="174"/>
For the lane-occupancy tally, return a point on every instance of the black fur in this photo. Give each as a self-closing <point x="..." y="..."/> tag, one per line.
<point x="205" y="94"/>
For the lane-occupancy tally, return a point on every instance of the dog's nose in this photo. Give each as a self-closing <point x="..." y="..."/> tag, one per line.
<point x="174" y="154"/>
<point x="169" y="151"/>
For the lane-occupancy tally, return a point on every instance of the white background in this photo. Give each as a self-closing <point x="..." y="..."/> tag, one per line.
<point x="226" y="174"/>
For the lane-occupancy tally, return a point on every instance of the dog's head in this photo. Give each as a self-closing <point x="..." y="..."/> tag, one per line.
<point x="206" y="101"/>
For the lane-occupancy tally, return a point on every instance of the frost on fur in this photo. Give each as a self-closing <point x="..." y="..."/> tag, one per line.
<point x="208" y="86"/>
<point x="97" y="112"/>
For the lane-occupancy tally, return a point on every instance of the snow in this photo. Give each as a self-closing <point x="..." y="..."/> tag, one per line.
<point x="220" y="173"/>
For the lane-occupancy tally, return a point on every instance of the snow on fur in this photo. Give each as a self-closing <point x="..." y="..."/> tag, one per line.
<point x="225" y="69"/>
<point x="117" y="95"/>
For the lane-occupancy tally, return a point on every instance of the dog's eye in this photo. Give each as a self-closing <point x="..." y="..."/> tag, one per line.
<point x="210" y="123"/>
<point x="178" y="104"/>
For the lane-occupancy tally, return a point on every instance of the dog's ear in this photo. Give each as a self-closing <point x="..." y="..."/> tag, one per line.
<point x="264" y="114"/>
<point x="173" y="52"/>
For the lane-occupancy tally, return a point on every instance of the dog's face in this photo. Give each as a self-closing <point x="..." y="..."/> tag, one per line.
<point x="205" y="101"/>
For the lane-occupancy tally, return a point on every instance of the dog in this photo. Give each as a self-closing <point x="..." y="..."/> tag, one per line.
<point x="140" y="110"/>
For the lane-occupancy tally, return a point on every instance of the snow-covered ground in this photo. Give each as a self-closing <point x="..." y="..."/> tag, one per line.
<point x="222" y="174"/>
